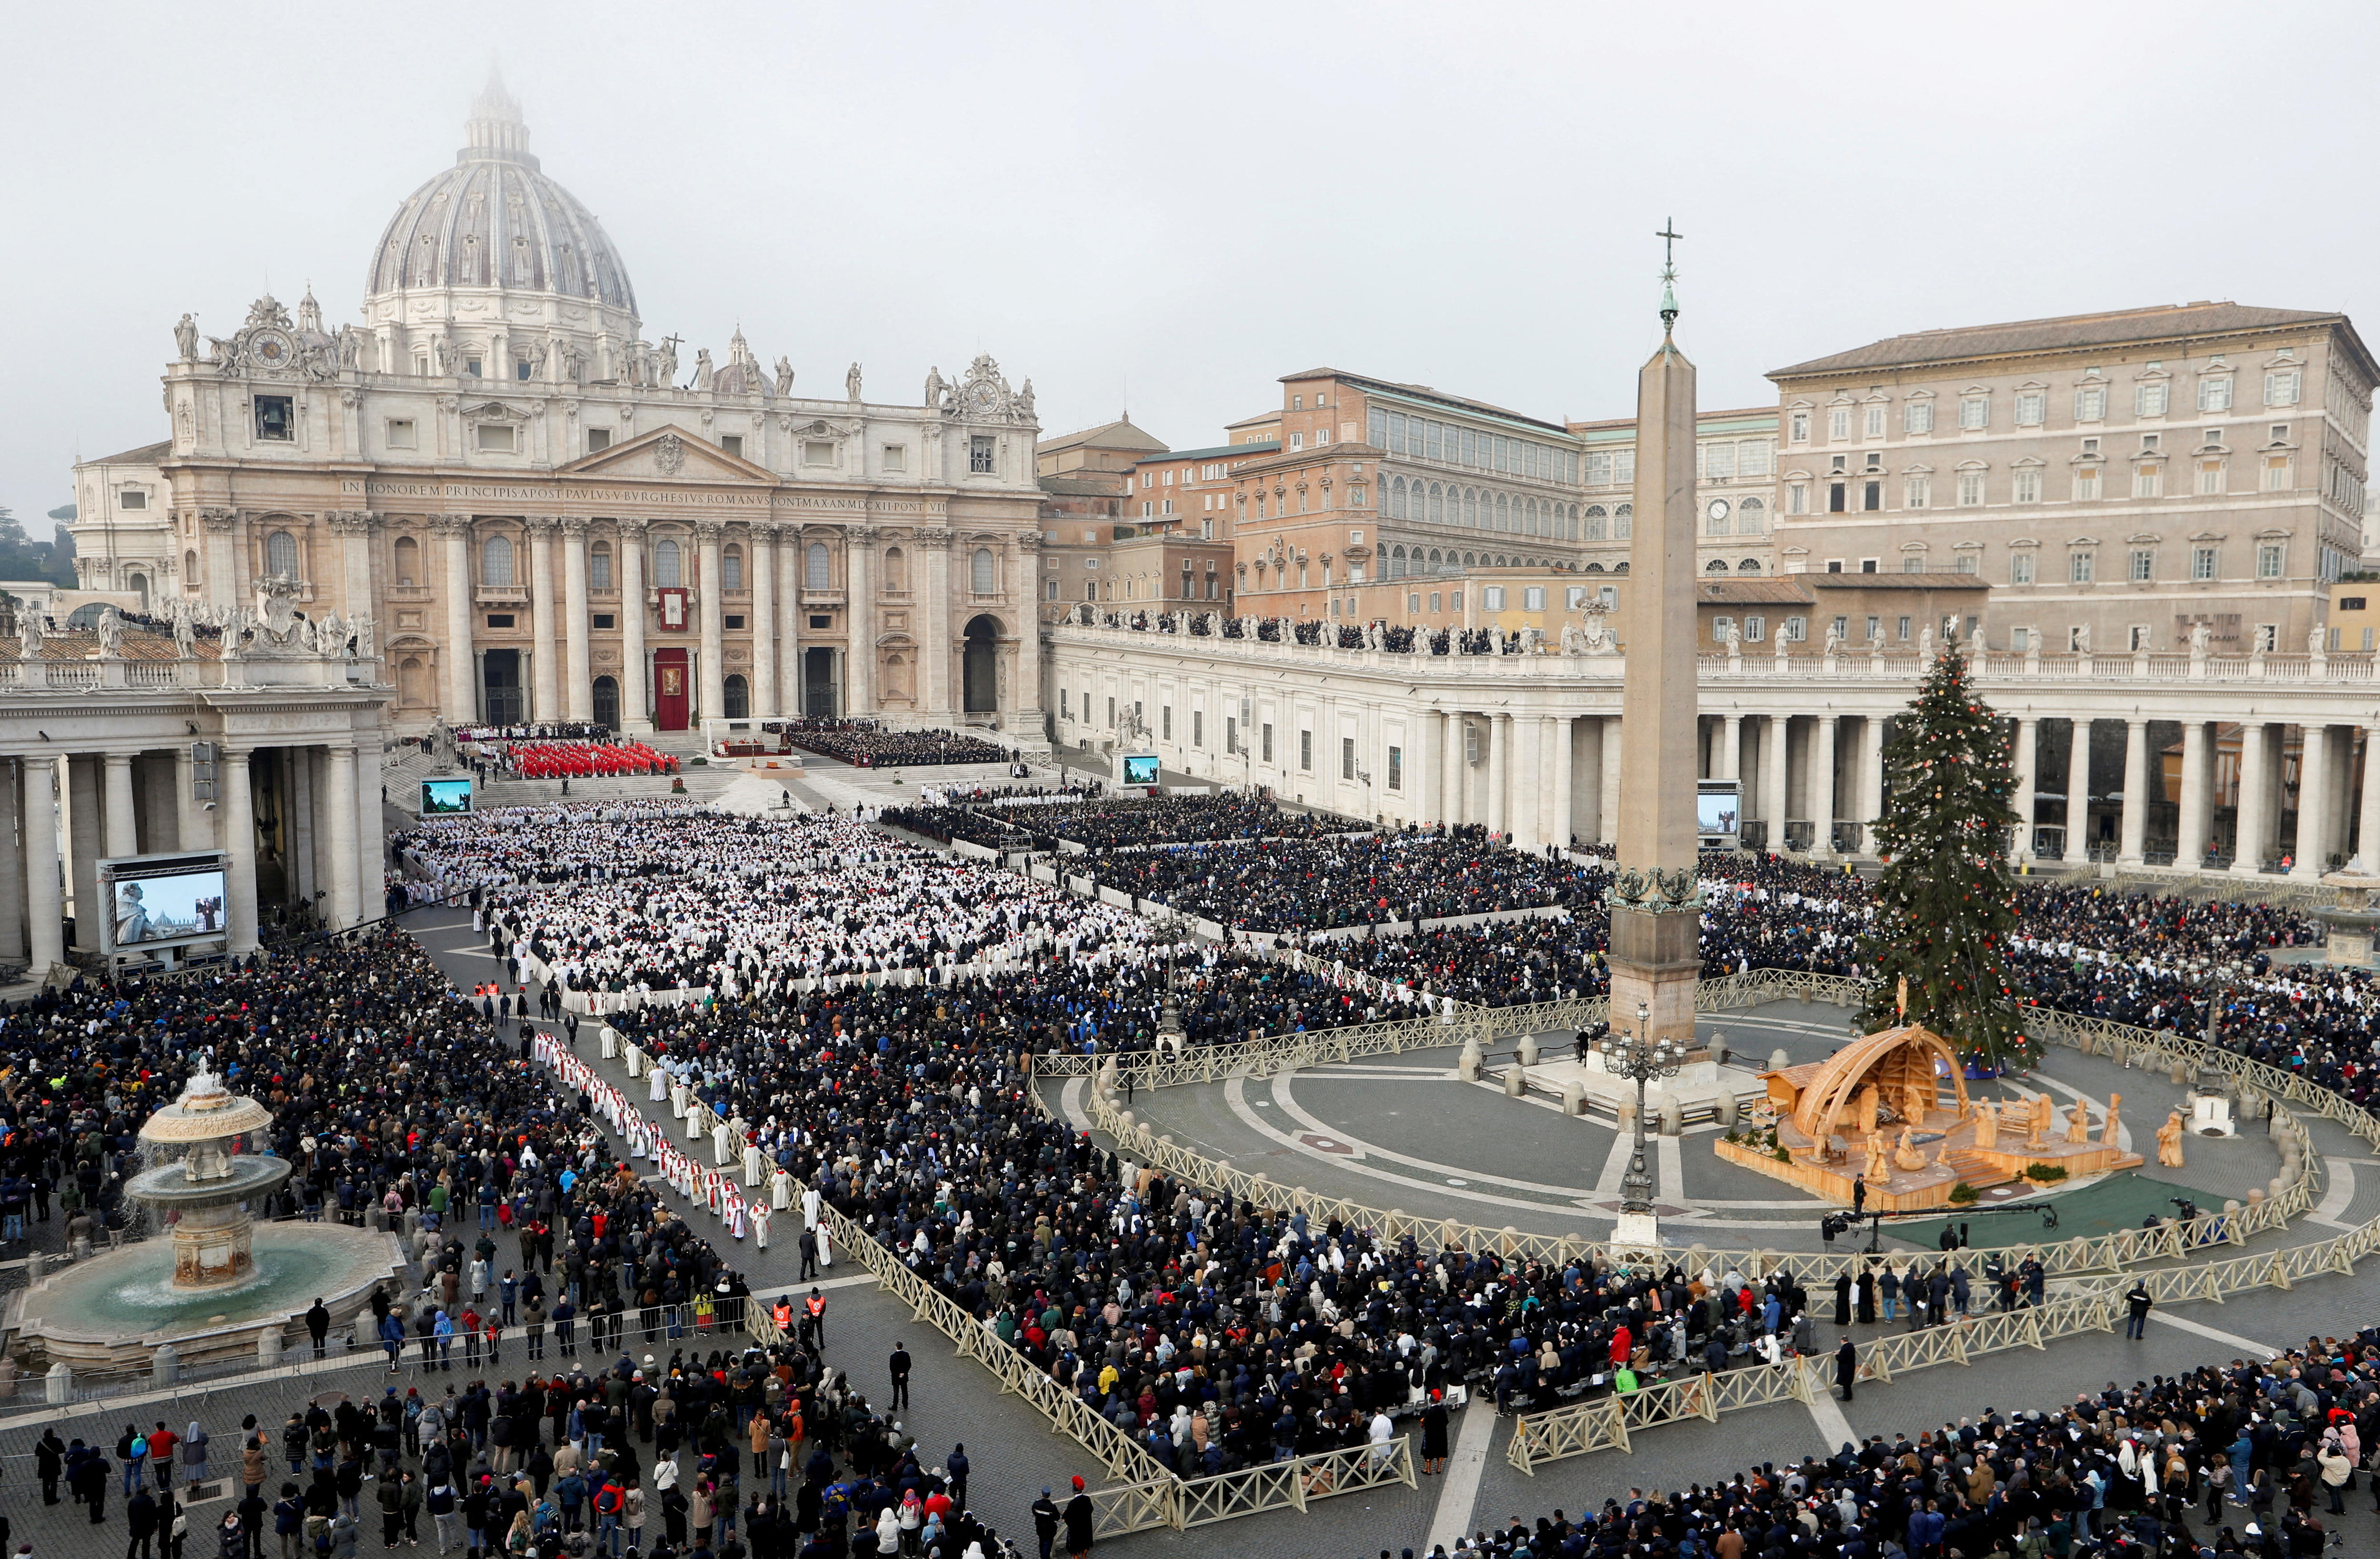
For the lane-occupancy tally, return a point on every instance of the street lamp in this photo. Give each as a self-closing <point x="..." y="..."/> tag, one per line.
<point x="1641" y="1059"/>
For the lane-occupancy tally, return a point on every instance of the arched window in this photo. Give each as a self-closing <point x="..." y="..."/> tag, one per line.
<point x="1536" y="519"/>
<point x="139" y="583"/>
<point x="818" y="576"/>
<point x="731" y="569"/>
<point x="1716" y="565"/>
<point x="280" y="555"/>
<point x="896" y="569"/>
<point x="1397" y="499"/>
<point x="1436" y="504"/>
<point x="1594" y="568"/>
<point x="408" y="560"/>
<point x="666" y="572"/>
<point x="1594" y="519"/>
<point x="1750" y="516"/>
<point x="1749" y="566"/>
<point x="1471" y="508"/>
<point x="190" y="568"/>
<point x="1623" y="523"/>
<point x="983" y="572"/>
<point x="496" y="562"/>
<point x="1503" y="512"/>
<point x="740" y="698"/>
<point x="1397" y="563"/>
<point x="1468" y="559"/>
<point x="1620" y="568"/>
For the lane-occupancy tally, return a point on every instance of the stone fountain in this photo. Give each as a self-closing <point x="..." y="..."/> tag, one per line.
<point x="2352" y="923"/>
<point x="217" y="1286"/>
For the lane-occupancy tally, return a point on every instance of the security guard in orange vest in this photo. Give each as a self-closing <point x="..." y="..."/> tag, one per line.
<point x="814" y="1319"/>
<point x="784" y="1315"/>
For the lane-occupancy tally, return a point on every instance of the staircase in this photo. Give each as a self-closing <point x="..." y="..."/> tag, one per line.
<point x="1974" y="1168"/>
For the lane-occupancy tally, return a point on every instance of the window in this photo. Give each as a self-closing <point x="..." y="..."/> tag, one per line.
<point x="1836" y="502"/>
<point x="2269" y="557"/>
<point x="816" y="575"/>
<point x="1874" y="628"/>
<point x="1111" y="712"/>
<point x="1533" y="598"/>
<point x="2020" y="639"/>
<point x="1719" y="628"/>
<point x="2079" y="567"/>
<point x="2210" y="476"/>
<point x="606" y="620"/>
<point x="2027" y="486"/>
<point x="2032" y="408"/>
<point x="1917" y="417"/>
<point x="1874" y="422"/>
<point x="1800" y="433"/>
<point x="667" y="575"/>
<point x="1165" y="721"/>
<point x="1491" y="598"/>
<point x="983" y="573"/>
<point x="1396" y="768"/>
<point x="598" y="438"/>
<point x="2281" y="389"/>
<point x="1964" y="563"/>
<point x="1265" y="735"/>
<point x="1975" y="412"/>
<point x="2149" y="397"/>
<point x="496" y="562"/>
<point x="1871" y="496"/>
<point x="2143" y="565"/>
<point x="733" y="620"/>
<point x="280" y="555"/>
<point x="1306" y="750"/>
<point x="731" y="569"/>
<point x="2214" y="393"/>
<point x="599" y="568"/>
<point x="1797" y="500"/>
<point x="2149" y="479"/>
<point x="1750" y="518"/>
<point x="501" y="619"/>
<point x="738" y="695"/>
<point x="2087" y="483"/>
<point x="732" y="443"/>
<point x="273" y="419"/>
<point x="1971" y="490"/>
<point x="1346" y="757"/>
<point x="1839" y="423"/>
<point x="980" y="448"/>
<point x="2020" y="568"/>
<point x="1755" y="629"/>
<point x="1197" y="727"/>
<point x="1904" y="630"/>
<point x="2203" y="563"/>
<point x="1912" y="563"/>
<point x="496" y="438"/>
<point x="1065" y="703"/>
<point x="2277" y="473"/>
<point x="408" y="561"/>
<point x="818" y="452"/>
<point x="471" y="367"/>
<point x="401" y="433"/>
<point x="2090" y="402"/>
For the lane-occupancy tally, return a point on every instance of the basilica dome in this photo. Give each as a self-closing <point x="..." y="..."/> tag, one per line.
<point x="494" y="222"/>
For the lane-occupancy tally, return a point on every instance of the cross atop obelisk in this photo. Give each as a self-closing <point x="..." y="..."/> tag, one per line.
<point x="1656" y="902"/>
<point x="1668" y="275"/>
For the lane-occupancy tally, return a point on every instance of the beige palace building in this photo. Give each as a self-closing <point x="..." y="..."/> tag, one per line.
<point x="2118" y="478"/>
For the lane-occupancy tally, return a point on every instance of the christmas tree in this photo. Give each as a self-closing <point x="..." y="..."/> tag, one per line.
<point x="1946" y="903"/>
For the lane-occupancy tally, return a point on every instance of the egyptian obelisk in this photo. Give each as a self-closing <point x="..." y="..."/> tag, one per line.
<point x="1655" y="907"/>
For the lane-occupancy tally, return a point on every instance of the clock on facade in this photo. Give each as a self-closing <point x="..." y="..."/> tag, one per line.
<point x="270" y="347"/>
<point x="1717" y="509"/>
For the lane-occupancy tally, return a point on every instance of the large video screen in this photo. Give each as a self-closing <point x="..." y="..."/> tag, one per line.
<point x="162" y="901"/>
<point x="440" y="795"/>
<point x="1140" y="768"/>
<point x="1719" y="814"/>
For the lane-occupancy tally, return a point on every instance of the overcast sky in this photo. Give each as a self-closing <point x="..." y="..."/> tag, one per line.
<point x="1173" y="206"/>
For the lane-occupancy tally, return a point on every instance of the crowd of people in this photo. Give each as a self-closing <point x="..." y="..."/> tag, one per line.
<point x="571" y="760"/>
<point x="1111" y="823"/>
<point x="863" y="745"/>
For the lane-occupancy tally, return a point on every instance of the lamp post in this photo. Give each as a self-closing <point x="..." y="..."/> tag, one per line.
<point x="1641" y="1059"/>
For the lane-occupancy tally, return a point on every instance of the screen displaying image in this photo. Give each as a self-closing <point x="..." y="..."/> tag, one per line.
<point x="1140" y="768"/>
<point x="445" y="795"/>
<point x="155" y="900"/>
<point x="1718" y="812"/>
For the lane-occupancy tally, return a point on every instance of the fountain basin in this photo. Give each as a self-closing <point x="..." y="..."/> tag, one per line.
<point x="113" y="1310"/>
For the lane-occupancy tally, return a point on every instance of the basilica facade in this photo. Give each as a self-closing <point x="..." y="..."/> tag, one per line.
<point x="546" y="516"/>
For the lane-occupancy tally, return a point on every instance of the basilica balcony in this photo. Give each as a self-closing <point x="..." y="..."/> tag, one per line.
<point x="822" y="598"/>
<point x="500" y="595"/>
<point x="408" y="592"/>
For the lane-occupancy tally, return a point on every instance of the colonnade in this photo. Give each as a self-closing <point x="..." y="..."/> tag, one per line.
<point x="61" y="813"/>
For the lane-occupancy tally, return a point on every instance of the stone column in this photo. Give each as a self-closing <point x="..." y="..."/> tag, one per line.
<point x="1032" y="721"/>
<point x="860" y="619"/>
<point x="237" y="804"/>
<point x="545" y="679"/>
<point x="346" y="906"/>
<point x="1557" y="824"/>
<point x="2251" y="828"/>
<point x="1607" y="820"/>
<point x="367" y="853"/>
<point x="1871" y="805"/>
<point x="635" y="677"/>
<point x="310" y="785"/>
<point x="762" y="569"/>
<point x="2028" y="757"/>
<point x="460" y="706"/>
<point x="2312" y="844"/>
<point x="1822" y="789"/>
<point x="2078" y="791"/>
<point x="712" y="687"/>
<point x="2367" y="823"/>
<point x="356" y="529"/>
<point x="1776" y="763"/>
<point x="1731" y="751"/>
<point x="790" y="622"/>
<point x="1526" y="806"/>
<point x="44" y="910"/>
<point x="2134" y="828"/>
<point x="1499" y="763"/>
<point x="222" y="527"/>
<point x="937" y="645"/>
<point x="2189" y="847"/>
<point x="579" y="671"/>
<point x="86" y="837"/>
<point x="12" y="866"/>
<point x="1450" y="769"/>
<point x="123" y="828"/>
